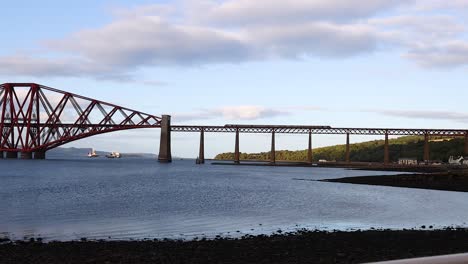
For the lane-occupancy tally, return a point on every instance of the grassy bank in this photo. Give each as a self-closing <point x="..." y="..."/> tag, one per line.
<point x="370" y="151"/>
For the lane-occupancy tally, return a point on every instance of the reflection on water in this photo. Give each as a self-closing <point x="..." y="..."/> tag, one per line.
<point x="140" y="198"/>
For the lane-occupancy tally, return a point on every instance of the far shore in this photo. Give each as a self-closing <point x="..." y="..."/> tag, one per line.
<point x="433" y="177"/>
<point x="374" y="166"/>
<point x="445" y="181"/>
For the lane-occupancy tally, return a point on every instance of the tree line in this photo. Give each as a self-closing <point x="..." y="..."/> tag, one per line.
<point x="370" y="151"/>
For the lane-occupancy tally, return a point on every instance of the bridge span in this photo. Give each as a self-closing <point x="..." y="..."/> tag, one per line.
<point x="35" y="118"/>
<point x="324" y="130"/>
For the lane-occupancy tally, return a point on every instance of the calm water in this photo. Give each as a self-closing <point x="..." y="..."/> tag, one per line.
<point x="140" y="198"/>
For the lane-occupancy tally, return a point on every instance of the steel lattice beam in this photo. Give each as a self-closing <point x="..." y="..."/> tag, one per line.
<point x="38" y="118"/>
<point x="321" y="130"/>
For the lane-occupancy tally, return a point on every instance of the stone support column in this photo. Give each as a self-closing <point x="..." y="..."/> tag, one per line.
<point x="309" y="149"/>
<point x="39" y="155"/>
<point x="165" y="155"/>
<point x="347" y="149"/>
<point x="12" y="155"/>
<point x="201" y="153"/>
<point x="273" y="151"/>
<point x="236" y="149"/>
<point x="26" y="155"/>
<point x="427" y="155"/>
<point x="386" y="151"/>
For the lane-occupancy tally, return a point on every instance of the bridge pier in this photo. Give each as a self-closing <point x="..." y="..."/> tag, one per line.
<point x="386" y="151"/>
<point x="12" y="155"/>
<point x="236" y="149"/>
<point x="201" y="153"/>
<point x="347" y="149"/>
<point x="39" y="155"/>
<point x="426" y="148"/>
<point x="273" y="151"/>
<point x="26" y="155"/>
<point x="309" y="149"/>
<point x="1" y="154"/>
<point x="165" y="155"/>
<point x="466" y="144"/>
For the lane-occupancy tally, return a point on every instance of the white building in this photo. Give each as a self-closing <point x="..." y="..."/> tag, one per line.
<point x="408" y="161"/>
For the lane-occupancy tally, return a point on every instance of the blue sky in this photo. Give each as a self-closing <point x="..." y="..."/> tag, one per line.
<point x="374" y="63"/>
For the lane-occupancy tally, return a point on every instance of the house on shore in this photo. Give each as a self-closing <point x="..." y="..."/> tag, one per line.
<point x="408" y="161"/>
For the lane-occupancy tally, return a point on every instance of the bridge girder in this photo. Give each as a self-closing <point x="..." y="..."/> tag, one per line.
<point x="326" y="130"/>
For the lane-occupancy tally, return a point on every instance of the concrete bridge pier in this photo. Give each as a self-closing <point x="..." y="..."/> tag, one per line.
<point x="427" y="156"/>
<point x="236" y="149"/>
<point x="309" y="149"/>
<point x="201" y="153"/>
<point x="40" y="155"/>
<point x="347" y="149"/>
<point x="12" y="155"/>
<point x="386" y="151"/>
<point x="1" y="154"/>
<point x="165" y="155"/>
<point x="273" y="151"/>
<point x="26" y="155"/>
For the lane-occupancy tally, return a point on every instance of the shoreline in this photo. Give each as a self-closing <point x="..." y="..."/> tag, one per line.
<point x="344" y="165"/>
<point x="445" y="181"/>
<point x="430" y="177"/>
<point x="299" y="247"/>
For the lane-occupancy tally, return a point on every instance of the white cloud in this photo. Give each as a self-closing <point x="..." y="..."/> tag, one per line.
<point x="150" y="40"/>
<point x="26" y="65"/>
<point x="429" y="114"/>
<point x="150" y="9"/>
<point x="250" y="112"/>
<point x="320" y="39"/>
<point x="154" y="83"/>
<point x="202" y="32"/>
<point x="444" y="55"/>
<point x="242" y="112"/>
<point x="428" y="5"/>
<point x="417" y="28"/>
<point x="431" y="41"/>
<point x="247" y="12"/>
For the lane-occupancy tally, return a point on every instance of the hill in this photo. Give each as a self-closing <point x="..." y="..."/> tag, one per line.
<point x="370" y="151"/>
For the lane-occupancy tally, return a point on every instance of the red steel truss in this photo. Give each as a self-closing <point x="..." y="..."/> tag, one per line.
<point x="36" y="118"/>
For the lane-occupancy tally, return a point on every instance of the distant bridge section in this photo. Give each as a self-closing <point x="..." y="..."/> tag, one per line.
<point x="324" y="130"/>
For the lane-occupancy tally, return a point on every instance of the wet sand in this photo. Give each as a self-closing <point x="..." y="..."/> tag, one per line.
<point x="447" y="181"/>
<point x="302" y="247"/>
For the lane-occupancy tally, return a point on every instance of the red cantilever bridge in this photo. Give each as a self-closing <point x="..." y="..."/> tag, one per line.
<point x="36" y="118"/>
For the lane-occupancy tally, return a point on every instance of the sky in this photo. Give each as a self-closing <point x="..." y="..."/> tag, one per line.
<point x="367" y="63"/>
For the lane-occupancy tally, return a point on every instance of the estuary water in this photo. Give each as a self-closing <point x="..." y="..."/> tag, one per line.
<point x="132" y="198"/>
